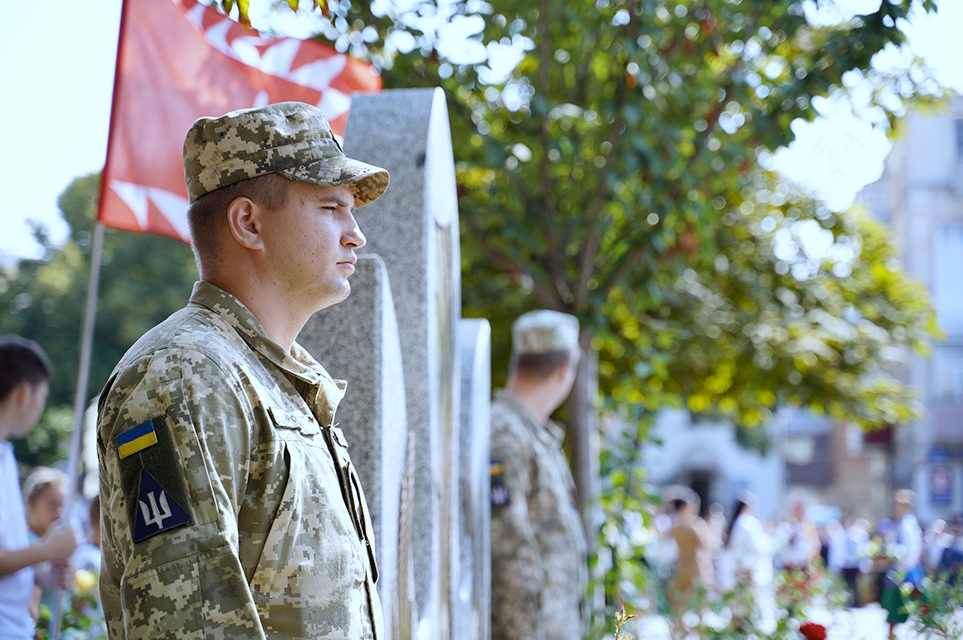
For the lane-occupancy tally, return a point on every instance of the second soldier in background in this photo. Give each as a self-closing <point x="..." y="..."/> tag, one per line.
<point x="539" y="569"/>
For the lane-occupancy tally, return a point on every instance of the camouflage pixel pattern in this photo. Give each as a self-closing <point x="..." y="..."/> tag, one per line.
<point x="279" y="543"/>
<point x="544" y="331"/>
<point x="292" y="139"/>
<point x="539" y="571"/>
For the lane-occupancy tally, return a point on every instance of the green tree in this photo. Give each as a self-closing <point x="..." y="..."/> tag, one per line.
<point x="798" y="307"/>
<point x="144" y="279"/>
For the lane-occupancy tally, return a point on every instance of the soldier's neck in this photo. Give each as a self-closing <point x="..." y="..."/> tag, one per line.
<point x="539" y="400"/>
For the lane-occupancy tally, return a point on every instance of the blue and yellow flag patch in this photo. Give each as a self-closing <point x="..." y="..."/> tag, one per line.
<point x="136" y="439"/>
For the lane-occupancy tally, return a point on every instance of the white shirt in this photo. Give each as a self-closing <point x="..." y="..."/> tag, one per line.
<point x="856" y="541"/>
<point x="16" y="589"/>
<point x="910" y="537"/>
<point x="751" y="549"/>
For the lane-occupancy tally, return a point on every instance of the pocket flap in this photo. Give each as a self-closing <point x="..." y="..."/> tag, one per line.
<point x="295" y="420"/>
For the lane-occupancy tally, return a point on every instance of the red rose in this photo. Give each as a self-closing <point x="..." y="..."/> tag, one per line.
<point x="813" y="631"/>
<point x="924" y="609"/>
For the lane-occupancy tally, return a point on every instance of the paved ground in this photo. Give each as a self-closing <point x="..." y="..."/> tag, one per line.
<point x="866" y="623"/>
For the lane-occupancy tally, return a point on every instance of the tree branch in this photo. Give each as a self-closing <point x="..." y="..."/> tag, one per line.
<point x="511" y="265"/>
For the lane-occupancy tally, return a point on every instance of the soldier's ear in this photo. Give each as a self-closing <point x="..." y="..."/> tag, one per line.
<point x="244" y="221"/>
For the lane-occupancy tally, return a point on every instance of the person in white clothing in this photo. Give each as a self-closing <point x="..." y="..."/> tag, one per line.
<point x="24" y="375"/>
<point x="907" y="567"/>
<point x="748" y="556"/>
<point x="856" y="540"/>
<point x="802" y="545"/>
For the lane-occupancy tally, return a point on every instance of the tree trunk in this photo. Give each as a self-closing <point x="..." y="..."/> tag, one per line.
<point x="583" y="441"/>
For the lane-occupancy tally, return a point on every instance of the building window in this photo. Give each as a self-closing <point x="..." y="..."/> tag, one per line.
<point x="948" y="277"/>
<point x="949" y="374"/>
<point x="959" y="140"/>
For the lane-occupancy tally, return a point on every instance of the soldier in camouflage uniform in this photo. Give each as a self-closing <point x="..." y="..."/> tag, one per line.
<point x="230" y="506"/>
<point x="539" y="569"/>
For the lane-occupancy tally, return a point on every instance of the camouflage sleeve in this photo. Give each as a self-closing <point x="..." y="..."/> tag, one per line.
<point x="174" y="450"/>
<point x="517" y="570"/>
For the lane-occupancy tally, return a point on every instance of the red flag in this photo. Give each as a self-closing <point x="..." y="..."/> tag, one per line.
<point x="178" y="60"/>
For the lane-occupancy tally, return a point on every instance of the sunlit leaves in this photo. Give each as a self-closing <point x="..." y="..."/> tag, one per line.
<point x="766" y="325"/>
<point x="244" y="9"/>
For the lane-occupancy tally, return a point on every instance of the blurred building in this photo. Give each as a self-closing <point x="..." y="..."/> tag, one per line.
<point x="704" y="455"/>
<point x="920" y="195"/>
<point x="831" y="465"/>
<point x="835" y="468"/>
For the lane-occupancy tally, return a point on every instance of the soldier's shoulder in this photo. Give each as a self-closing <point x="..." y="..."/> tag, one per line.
<point x="189" y="340"/>
<point x="509" y="430"/>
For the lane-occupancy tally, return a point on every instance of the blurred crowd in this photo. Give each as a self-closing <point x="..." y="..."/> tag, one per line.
<point x="711" y="551"/>
<point x="74" y="578"/>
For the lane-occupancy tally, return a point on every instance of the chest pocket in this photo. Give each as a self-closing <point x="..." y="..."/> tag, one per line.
<point x="291" y="423"/>
<point x="352" y="492"/>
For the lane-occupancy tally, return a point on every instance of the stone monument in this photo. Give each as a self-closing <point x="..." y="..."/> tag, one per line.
<point x="416" y="408"/>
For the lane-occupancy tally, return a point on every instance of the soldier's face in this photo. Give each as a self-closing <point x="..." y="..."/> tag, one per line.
<point x="311" y="244"/>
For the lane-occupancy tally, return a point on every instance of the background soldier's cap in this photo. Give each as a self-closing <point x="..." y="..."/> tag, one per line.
<point x="291" y="139"/>
<point x="544" y="332"/>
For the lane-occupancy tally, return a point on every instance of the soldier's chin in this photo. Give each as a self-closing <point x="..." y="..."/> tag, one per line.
<point x="335" y="298"/>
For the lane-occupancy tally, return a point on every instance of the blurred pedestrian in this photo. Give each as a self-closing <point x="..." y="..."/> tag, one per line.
<point x="951" y="562"/>
<point x="24" y="378"/>
<point x="834" y="536"/>
<point x="88" y="553"/>
<point x="748" y="552"/>
<point x="803" y="546"/>
<point x="44" y="493"/>
<point x="854" y="557"/>
<point x="936" y="539"/>
<point x="693" y="573"/>
<point x="539" y="565"/>
<point x="85" y="561"/>
<point x="907" y="567"/>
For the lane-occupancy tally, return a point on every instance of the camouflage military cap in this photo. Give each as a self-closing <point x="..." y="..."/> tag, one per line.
<point x="544" y="331"/>
<point x="291" y="139"/>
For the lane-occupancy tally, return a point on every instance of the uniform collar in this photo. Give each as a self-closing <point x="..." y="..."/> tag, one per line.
<point x="326" y="392"/>
<point x="549" y="429"/>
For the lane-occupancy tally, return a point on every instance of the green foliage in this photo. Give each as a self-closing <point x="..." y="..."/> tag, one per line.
<point x="736" y="614"/>
<point x="627" y="504"/>
<point x="769" y="321"/>
<point x="143" y="279"/>
<point x="937" y="613"/>
<point x="49" y="440"/>
<point x="81" y="618"/>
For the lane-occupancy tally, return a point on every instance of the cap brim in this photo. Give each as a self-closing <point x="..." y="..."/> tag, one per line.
<point x="366" y="180"/>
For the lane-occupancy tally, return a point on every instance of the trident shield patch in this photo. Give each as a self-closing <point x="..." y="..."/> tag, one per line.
<point x="156" y="510"/>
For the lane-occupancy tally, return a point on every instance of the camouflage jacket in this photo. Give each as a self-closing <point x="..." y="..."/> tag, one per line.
<point x="230" y="506"/>
<point x="539" y="570"/>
